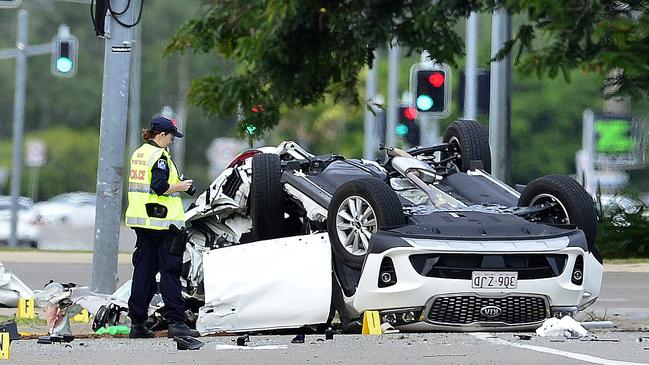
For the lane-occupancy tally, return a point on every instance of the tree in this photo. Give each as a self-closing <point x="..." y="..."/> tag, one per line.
<point x="292" y="53"/>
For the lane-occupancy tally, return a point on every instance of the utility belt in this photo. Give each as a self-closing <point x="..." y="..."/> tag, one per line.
<point x="176" y="240"/>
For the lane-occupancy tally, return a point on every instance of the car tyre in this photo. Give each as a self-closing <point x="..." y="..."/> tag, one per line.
<point x="266" y="197"/>
<point x="470" y="140"/>
<point x="351" y="228"/>
<point x="573" y="204"/>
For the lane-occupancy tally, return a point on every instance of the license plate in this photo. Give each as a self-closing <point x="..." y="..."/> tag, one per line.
<point x="494" y="279"/>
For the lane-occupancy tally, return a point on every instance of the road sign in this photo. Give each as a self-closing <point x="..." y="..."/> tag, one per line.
<point x="222" y="151"/>
<point x="618" y="141"/>
<point x="36" y="153"/>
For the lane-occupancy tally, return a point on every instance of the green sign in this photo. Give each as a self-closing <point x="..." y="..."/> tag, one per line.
<point x="614" y="136"/>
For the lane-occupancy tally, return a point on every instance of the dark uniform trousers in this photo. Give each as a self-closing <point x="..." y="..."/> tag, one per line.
<point x="150" y="257"/>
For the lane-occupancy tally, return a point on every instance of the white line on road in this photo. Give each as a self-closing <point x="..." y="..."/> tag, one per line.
<point x="573" y="355"/>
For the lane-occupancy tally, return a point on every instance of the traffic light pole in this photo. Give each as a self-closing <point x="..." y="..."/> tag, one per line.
<point x="370" y="145"/>
<point x="500" y="97"/>
<point x="394" y="55"/>
<point x="112" y="141"/>
<point x="19" y="119"/>
<point x="471" y="69"/>
<point x="429" y="130"/>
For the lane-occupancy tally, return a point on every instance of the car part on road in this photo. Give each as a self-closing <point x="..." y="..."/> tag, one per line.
<point x="243" y="340"/>
<point x="12" y="289"/>
<point x="357" y="210"/>
<point x="187" y="343"/>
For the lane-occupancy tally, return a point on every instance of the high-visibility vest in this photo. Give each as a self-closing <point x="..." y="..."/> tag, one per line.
<point x="140" y="192"/>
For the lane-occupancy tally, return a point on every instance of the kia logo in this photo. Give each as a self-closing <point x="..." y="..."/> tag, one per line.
<point x="490" y="311"/>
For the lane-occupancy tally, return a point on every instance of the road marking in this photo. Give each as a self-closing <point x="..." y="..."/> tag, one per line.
<point x="573" y="355"/>
<point x="612" y="300"/>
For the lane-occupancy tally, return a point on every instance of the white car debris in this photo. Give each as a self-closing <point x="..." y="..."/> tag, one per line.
<point x="12" y="289"/>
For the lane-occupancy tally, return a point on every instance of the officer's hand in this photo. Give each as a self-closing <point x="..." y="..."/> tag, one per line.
<point x="185" y="184"/>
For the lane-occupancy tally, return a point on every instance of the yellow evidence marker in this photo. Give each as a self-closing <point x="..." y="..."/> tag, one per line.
<point x="4" y="345"/>
<point x="371" y="323"/>
<point x="82" y="317"/>
<point x="26" y="308"/>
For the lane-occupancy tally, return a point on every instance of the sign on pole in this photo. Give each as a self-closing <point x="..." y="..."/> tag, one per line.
<point x="36" y="153"/>
<point x="618" y="141"/>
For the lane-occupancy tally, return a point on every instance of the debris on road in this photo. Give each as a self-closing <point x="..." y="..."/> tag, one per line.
<point x="298" y="339"/>
<point x="598" y="324"/>
<point x="565" y="326"/>
<point x="329" y="334"/>
<point x="524" y="337"/>
<point x="595" y="339"/>
<point x="12" y="289"/>
<point x="11" y="328"/>
<point x="242" y="340"/>
<point x="114" y="330"/>
<point x="187" y="343"/>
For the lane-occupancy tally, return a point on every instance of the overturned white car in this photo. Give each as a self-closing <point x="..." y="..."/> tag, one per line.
<point x="284" y="239"/>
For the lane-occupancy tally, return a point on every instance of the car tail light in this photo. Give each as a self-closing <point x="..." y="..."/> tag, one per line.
<point x="577" y="277"/>
<point x="387" y="274"/>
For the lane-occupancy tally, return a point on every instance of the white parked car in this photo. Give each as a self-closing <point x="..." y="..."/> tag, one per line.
<point x="77" y="208"/>
<point x="28" y="229"/>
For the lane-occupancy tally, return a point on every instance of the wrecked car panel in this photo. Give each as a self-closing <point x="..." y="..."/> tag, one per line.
<point x="12" y="289"/>
<point x="271" y="284"/>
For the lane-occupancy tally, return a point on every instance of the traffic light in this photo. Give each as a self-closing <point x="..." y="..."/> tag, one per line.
<point x="431" y="86"/>
<point x="407" y="128"/>
<point x="10" y="3"/>
<point x="64" y="53"/>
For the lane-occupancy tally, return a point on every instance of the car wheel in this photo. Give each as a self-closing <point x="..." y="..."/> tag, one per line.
<point x="469" y="141"/>
<point x="573" y="205"/>
<point x="266" y="197"/>
<point x="358" y="209"/>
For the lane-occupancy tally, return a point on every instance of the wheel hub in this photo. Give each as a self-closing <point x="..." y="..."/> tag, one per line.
<point x="355" y="223"/>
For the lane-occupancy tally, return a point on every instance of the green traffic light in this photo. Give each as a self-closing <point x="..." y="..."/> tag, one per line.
<point x="64" y="64"/>
<point x="401" y="130"/>
<point x="251" y="129"/>
<point x="424" y="102"/>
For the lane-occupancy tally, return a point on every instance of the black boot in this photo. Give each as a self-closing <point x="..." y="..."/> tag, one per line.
<point x="140" y="330"/>
<point x="181" y="329"/>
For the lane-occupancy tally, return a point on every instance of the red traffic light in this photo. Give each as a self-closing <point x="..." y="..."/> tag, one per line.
<point x="258" y="109"/>
<point x="436" y="79"/>
<point x="410" y="113"/>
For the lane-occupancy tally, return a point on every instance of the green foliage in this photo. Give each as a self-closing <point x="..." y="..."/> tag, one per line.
<point x="71" y="161"/>
<point x="624" y="234"/>
<point x="293" y="53"/>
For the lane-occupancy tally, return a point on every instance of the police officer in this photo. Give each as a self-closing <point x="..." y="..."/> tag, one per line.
<point x="154" y="204"/>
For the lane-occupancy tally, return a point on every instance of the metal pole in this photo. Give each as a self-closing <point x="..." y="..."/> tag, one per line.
<point x="370" y="145"/>
<point x="471" y="68"/>
<point x="134" y="122"/>
<point x="179" y="145"/>
<point x="112" y="140"/>
<point x="394" y="55"/>
<point x="500" y="91"/>
<point x="19" y="120"/>
<point x="429" y="127"/>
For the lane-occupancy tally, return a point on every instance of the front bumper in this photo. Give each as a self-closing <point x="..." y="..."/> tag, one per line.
<point x="452" y="304"/>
